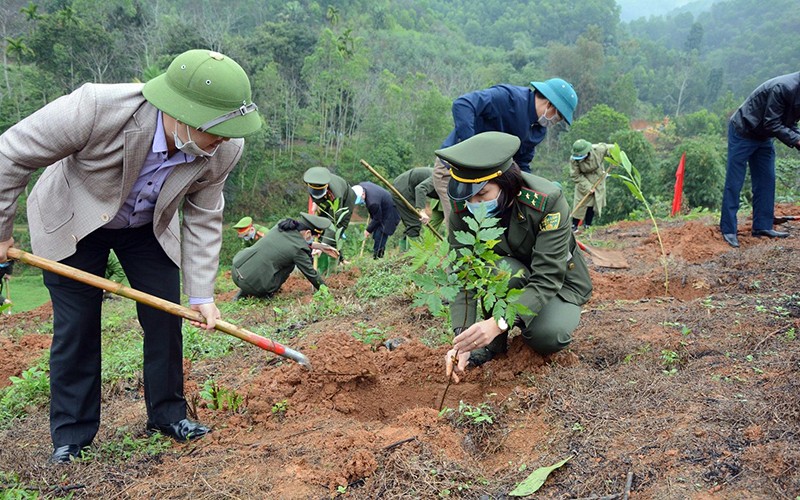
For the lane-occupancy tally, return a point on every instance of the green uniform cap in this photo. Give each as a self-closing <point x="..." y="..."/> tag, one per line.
<point x="244" y="223"/>
<point x="315" y="223"/>
<point x="477" y="160"/>
<point x="580" y="149"/>
<point x="317" y="180"/>
<point x="561" y="94"/>
<point x="208" y="91"/>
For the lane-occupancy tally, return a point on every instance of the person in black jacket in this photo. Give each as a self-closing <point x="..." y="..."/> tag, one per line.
<point x="772" y="110"/>
<point x="383" y="215"/>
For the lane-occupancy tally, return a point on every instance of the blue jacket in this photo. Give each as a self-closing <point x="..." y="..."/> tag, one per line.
<point x="502" y="108"/>
<point x="382" y="212"/>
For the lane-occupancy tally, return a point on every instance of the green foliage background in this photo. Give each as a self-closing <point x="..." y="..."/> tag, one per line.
<point x="343" y="80"/>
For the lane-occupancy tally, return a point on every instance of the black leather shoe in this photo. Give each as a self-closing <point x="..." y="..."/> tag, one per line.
<point x="731" y="239"/>
<point x="771" y="233"/>
<point x="182" y="430"/>
<point x="65" y="454"/>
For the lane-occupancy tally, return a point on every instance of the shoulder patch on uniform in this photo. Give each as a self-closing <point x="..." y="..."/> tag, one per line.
<point x="458" y="206"/>
<point x="550" y="222"/>
<point x="533" y="199"/>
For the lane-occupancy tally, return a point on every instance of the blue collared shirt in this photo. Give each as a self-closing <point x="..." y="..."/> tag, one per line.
<point x="140" y="205"/>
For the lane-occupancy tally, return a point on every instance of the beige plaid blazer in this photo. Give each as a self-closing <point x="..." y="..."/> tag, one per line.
<point x="92" y="144"/>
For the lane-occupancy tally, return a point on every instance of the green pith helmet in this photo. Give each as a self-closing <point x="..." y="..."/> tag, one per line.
<point x="580" y="149"/>
<point x="208" y="91"/>
<point x="317" y="180"/>
<point x="560" y="94"/>
<point x="243" y="223"/>
<point x="315" y="223"/>
<point x="477" y="160"/>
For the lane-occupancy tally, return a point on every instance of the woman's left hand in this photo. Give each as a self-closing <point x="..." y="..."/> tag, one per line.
<point x="478" y="335"/>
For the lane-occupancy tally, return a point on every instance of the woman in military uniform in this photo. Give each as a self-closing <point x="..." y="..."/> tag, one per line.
<point x="260" y="270"/>
<point x="537" y="240"/>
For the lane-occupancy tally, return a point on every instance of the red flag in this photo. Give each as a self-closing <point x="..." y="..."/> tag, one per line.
<point x="676" y="199"/>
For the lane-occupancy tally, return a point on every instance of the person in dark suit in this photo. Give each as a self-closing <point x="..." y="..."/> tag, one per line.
<point x="120" y="161"/>
<point x="383" y="215"/>
<point x="772" y="110"/>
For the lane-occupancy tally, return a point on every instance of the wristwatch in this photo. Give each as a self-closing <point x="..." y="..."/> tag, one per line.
<point x="503" y="324"/>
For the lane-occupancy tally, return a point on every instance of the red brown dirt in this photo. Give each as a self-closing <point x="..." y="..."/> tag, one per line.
<point x="722" y="420"/>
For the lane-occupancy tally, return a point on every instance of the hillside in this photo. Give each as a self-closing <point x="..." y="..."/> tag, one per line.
<point x="694" y="393"/>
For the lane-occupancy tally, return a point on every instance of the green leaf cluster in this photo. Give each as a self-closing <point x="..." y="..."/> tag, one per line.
<point x="218" y="397"/>
<point x="474" y="268"/>
<point x="30" y="389"/>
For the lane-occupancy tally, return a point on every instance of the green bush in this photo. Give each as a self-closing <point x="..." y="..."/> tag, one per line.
<point x="30" y="389"/>
<point x="704" y="176"/>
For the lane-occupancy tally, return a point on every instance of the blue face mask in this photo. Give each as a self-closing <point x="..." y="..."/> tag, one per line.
<point x="491" y="206"/>
<point x="359" y="200"/>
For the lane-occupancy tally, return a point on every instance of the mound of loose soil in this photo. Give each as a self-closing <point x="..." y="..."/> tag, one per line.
<point x="691" y="390"/>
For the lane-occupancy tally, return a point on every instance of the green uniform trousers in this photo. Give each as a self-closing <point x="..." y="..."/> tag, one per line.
<point x="549" y="331"/>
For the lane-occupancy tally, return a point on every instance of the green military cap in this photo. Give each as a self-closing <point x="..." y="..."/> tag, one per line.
<point x="315" y="223"/>
<point x="580" y="149"/>
<point x="208" y="91"/>
<point x="317" y="180"/>
<point x="243" y="223"/>
<point x="477" y="160"/>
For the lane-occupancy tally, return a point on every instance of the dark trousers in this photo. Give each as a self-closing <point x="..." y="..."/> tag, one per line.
<point x="379" y="242"/>
<point x="75" y="352"/>
<point x="760" y="155"/>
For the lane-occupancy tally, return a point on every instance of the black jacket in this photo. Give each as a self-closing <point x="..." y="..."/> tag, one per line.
<point x="772" y="110"/>
<point x="382" y="212"/>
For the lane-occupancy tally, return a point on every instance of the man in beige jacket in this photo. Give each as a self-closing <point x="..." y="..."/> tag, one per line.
<point x="120" y="161"/>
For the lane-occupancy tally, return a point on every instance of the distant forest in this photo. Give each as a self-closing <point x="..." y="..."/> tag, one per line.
<point x="341" y="80"/>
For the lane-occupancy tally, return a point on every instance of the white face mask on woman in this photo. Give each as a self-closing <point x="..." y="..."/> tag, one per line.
<point x="190" y="147"/>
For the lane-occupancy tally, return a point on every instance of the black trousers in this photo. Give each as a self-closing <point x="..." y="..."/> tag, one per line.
<point x="75" y="381"/>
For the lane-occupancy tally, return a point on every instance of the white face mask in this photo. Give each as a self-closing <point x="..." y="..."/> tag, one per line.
<point x="190" y="147"/>
<point x="544" y="121"/>
<point x="249" y="234"/>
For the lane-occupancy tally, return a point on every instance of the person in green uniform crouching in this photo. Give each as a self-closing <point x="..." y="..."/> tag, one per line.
<point x="260" y="270"/>
<point x="537" y="240"/>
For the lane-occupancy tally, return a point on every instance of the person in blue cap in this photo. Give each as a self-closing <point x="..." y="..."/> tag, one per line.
<point x="525" y="112"/>
<point x="537" y="240"/>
